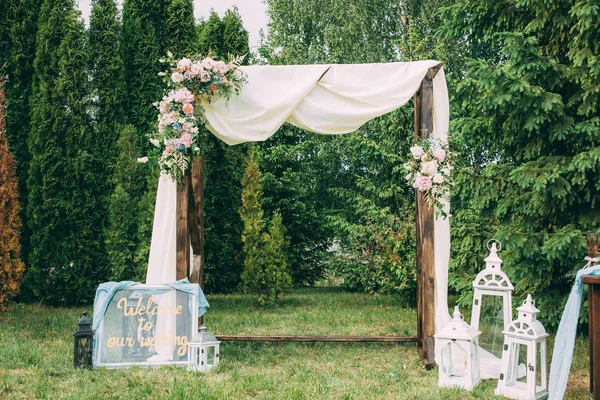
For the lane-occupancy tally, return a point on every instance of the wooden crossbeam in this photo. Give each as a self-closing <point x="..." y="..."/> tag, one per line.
<point x="326" y="338"/>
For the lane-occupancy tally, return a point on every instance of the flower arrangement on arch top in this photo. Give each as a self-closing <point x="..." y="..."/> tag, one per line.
<point x="189" y="82"/>
<point x="429" y="171"/>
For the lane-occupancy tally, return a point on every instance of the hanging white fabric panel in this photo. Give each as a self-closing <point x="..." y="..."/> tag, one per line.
<point x="327" y="99"/>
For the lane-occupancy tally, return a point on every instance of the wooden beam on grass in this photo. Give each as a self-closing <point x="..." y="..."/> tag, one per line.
<point x="425" y="233"/>
<point x="334" y="338"/>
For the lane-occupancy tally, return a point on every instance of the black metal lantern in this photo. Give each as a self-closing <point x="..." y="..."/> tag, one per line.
<point x="83" y="338"/>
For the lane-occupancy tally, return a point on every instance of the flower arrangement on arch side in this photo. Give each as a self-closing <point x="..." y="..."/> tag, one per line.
<point x="189" y="82"/>
<point x="429" y="171"/>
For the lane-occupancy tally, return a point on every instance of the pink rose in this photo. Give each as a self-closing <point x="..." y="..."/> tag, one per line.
<point x="213" y="87"/>
<point x="186" y="139"/>
<point x="164" y="107"/>
<point x="170" y="117"/>
<point x="184" y="64"/>
<point x="187" y="126"/>
<point x="188" y="108"/>
<point x="439" y="154"/>
<point x="423" y="183"/>
<point x="429" y="167"/>
<point x="220" y="67"/>
<point x="184" y="96"/>
<point x="197" y="69"/>
<point x="417" y="152"/>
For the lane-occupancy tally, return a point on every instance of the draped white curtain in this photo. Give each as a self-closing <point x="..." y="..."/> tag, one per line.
<point x="326" y="99"/>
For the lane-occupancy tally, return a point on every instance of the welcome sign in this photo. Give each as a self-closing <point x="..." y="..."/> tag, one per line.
<point x="146" y="325"/>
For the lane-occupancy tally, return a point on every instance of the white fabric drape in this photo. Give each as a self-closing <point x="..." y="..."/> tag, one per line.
<point x="327" y="99"/>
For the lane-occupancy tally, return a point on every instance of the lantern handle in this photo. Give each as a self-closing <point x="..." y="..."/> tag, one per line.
<point x="494" y="240"/>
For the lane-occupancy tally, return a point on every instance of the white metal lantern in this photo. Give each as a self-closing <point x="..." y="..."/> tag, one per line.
<point x="457" y="355"/>
<point x="523" y="373"/>
<point x="492" y="281"/>
<point x="203" y="351"/>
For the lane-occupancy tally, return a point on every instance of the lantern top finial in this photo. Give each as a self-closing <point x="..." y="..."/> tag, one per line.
<point x="203" y="337"/>
<point x="84" y="326"/>
<point x="457" y="328"/>
<point x="528" y="306"/>
<point x="493" y="260"/>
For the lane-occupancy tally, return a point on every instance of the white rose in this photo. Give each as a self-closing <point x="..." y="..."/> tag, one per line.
<point x="155" y="142"/>
<point x="177" y="77"/>
<point x="417" y="152"/>
<point x="438" y="178"/>
<point x="204" y="76"/>
<point x="208" y="63"/>
<point x="184" y="64"/>
<point x="446" y="171"/>
<point x="142" y="160"/>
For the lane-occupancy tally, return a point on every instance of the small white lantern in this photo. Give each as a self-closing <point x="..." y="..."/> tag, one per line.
<point x="492" y="281"/>
<point x="527" y="380"/>
<point x="203" y="351"/>
<point x="457" y="355"/>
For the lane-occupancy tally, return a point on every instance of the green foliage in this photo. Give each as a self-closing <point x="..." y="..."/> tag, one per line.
<point x="19" y="29"/>
<point x="125" y="208"/>
<point x="265" y="269"/>
<point x="380" y="258"/>
<point x="141" y="46"/>
<point x="107" y="88"/>
<point x="528" y="129"/>
<point x="224" y="168"/>
<point x="11" y="266"/>
<point x="67" y="259"/>
<point x="180" y="34"/>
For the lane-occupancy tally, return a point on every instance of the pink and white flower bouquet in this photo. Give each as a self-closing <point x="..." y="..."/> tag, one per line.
<point x="189" y="82"/>
<point x="429" y="171"/>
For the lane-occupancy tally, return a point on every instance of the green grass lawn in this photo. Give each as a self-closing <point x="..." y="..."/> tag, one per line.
<point x="36" y="355"/>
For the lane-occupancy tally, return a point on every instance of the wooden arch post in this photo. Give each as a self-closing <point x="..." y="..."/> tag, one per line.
<point x="190" y="230"/>
<point x="425" y="232"/>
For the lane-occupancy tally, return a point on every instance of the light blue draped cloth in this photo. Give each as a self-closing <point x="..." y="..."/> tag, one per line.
<point x="564" y="343"/>
<point x="106" y="292"/>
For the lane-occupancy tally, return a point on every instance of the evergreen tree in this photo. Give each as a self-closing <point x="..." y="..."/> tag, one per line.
<point x="276" y="267"/>
<point x="534" y="111"/>
<point x="107" y="79"/>
<point x="210" y="37"/>
<point x="235" y="37"/>
<point x="265" y="269"/>
<point x="141" y="44"/>
<point x="122" y="239"/>
<point x="224" y="169"/>
<point x="11" y="266"/>
<point x="67" y="259"/>
<point x="180" y="34"/>
<point x="21" y="27"/>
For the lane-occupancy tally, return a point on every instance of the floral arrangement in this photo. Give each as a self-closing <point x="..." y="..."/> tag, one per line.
<point x="429" y="171"/>
<point x="189" y="81"/>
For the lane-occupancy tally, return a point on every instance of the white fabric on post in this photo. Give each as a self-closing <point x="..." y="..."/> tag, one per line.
<point x="327" y="99"/>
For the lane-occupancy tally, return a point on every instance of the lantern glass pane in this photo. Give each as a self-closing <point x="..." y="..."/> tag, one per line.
<point x="522" y="363"/>
<point x="210" y="355"/>
<point x="538" y="367"/>
<point x="491" y="324"/>
<point x="454" y="360"/>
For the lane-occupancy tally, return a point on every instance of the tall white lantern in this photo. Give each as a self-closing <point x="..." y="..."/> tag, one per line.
<point x="492" y="281"/>
<point x="457" y="355"/>
<point x="203" y="351"/>
<point x="523" y="373"/>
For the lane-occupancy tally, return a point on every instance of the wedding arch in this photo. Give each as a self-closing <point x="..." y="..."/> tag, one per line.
<point x="326" y="99"/>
